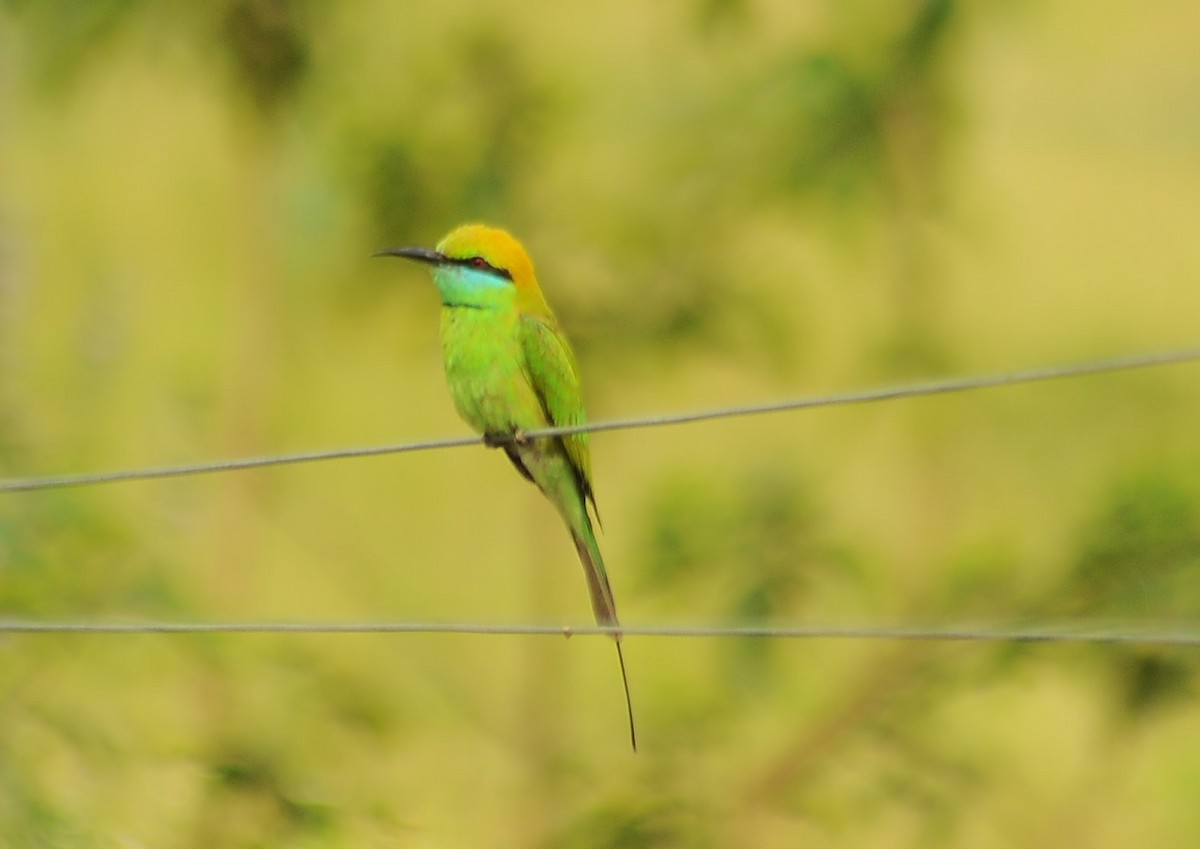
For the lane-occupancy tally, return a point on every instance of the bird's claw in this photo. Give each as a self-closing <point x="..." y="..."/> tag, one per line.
<point x="499" y="440"/>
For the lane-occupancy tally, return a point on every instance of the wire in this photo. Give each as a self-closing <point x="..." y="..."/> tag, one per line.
<point x="887" y="393"/>
<point x="1046" y="633"/>
<point x="89" y="479"/>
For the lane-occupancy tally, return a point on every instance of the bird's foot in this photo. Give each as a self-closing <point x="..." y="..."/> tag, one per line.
<point x="499" y="440"/>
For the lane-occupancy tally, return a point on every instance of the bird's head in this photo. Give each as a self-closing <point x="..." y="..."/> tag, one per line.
<point x="479" y="266"/>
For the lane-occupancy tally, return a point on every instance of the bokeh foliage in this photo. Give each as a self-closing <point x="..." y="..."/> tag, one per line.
<point x="727" y="200"/>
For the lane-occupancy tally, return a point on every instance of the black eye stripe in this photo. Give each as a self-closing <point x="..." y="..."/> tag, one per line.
<point x="481" y="264"/>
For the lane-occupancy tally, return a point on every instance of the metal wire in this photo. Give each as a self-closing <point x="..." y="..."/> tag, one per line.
<point x="888" y="393"/>
<point x="1128" y="633"/>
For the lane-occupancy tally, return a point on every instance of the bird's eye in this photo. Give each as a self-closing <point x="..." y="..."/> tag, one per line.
<point x="478" y="262"/>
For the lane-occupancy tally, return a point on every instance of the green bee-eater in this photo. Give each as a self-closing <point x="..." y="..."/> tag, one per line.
<point x="510" y="370"/>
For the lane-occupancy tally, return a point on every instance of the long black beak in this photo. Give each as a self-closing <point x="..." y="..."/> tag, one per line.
<point x="426" y="255"/>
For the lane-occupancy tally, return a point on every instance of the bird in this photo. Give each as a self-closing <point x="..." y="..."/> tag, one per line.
<point x="511" y="370"/>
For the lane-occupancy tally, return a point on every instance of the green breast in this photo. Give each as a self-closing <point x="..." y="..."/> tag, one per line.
<point x="485" y="371"/>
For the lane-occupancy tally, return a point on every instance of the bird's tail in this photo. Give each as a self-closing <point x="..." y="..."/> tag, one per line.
<point x="603" y="605"/>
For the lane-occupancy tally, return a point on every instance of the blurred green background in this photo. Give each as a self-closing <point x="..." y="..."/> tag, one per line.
<point x="727" y="200"/>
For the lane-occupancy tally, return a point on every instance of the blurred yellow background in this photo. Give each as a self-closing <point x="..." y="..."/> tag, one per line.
<point x="727" y="201"/>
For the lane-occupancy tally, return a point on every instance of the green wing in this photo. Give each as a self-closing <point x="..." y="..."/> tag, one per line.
<point x="554" y="375"/>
